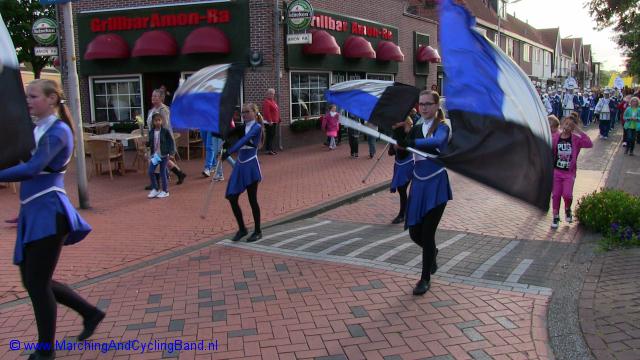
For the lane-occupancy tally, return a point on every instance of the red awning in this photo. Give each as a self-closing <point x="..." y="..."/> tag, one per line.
<point x="388" y="51"/>
<point x="427" y="54"/>
<point x="107" y="46"/>
<point x="322" y="43"/>
<point x="155" y="43"/>
<point x="206" y="40"/>
<point x="357" y="47"/>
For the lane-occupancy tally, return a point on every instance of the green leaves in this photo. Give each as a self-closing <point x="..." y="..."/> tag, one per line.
<point x="19" y="16"/>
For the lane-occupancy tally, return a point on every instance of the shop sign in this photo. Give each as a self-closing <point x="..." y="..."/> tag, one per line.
<point x="353" y="27"/>
<point x="293" y="39"/>
<point x="45" y="31"/>
<point x="155" y="21"/>
<point x="299" y="15"/>
<point x="45" y="51"/>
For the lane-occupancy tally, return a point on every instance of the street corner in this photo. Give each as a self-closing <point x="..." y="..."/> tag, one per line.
<point x="253" y="304"/>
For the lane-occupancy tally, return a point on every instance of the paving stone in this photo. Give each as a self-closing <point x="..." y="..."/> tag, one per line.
<point x="243" y="332"/>
<point x="480" y="355"/>
<point x="256" y="299"/>
<point x="356" y="331"/>
<point x="154" y="299"/>
<point x="176" y="325"/>
<point x="472" y="334"/>
<point x="332" y="357"/>
<point x="157" y="309"/>
<point x="249" y="274"/>
<point x="445" y="303"/>
<point x="204" y="294"/>
<point x="361" y="288"/>
<point x="209" y="273"/>
<point x="469" y="324"/>
<point x="506" y="323"/>
<point x="281" y="267"/>
<point x="168" y="355"/>
<point x="219" y="315"/>
<point x="377" y="284"/>
<point x="211" y="303"/>
<point x="198" y="258"/>
<point x="298" y="290"/>
<point x="147" y="325"/>
<point x="240" y="286"/>
<point x="359" y="311"/>
<point x="103" y="304"/>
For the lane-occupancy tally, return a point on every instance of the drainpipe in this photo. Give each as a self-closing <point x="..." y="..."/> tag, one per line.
<point x="276" y="60"/>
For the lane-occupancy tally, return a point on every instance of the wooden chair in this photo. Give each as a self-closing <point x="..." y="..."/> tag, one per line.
<point x="188" y="141"/>
<point x="102" y="128"/>
<point x="141" y="159"/>
<point x="106" y="151"/>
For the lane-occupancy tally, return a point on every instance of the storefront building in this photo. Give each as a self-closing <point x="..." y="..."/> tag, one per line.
<point x="125" y="51"/>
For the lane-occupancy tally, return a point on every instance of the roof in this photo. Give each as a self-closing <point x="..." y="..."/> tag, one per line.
<point x="567" y="47"/>
<point x="549" y="36"/>
<point x="577" y="44"/>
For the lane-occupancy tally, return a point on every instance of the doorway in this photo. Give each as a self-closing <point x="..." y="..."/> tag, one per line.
<point x="152" y="81"/>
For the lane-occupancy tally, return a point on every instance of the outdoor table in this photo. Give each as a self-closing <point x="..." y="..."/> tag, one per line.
<point x="117" y="137"/>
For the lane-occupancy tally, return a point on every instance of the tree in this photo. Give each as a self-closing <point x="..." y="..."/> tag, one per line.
<point x="624" y="17"/>
<point x="19" y="16"/>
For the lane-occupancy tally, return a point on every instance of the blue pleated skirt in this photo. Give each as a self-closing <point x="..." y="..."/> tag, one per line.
<point x="426" y="195"/>
<point x="37" y="220"/>
<point x="243" y="175"/>
<point x="402" y="173"/>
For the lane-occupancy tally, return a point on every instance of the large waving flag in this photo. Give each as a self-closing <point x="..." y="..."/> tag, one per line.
<point x="501" y="135"/>
<point x="382" y="103"/>
<point x="206" y="100"/>
<point x="16" y="129"/>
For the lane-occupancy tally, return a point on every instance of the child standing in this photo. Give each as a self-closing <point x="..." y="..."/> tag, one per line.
<point x="162" y="146"/>
<point x="566" y="148"/>
<point x="330" y="122"/>
<point x="631" y="117"/>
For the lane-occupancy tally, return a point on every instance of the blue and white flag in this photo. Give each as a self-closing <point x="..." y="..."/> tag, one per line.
<point x="501" y="134"/>
<point x="206" y="100"/>
<point x="382" y="103"/>
<point x="16" y="127"/>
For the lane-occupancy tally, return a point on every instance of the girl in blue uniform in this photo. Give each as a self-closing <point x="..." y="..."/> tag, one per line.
<point x="47" y="219"/>
<point x="430" y="188"/>
<point x="402" y="168"/>
<point x="246" y="173"/>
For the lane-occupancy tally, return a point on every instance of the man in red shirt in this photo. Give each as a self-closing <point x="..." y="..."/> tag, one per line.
<point x="271" y="114"/>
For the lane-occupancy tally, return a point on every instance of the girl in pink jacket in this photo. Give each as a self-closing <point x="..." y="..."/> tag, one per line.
<point x="566" y="146"/>
<point x="330" y="124"/>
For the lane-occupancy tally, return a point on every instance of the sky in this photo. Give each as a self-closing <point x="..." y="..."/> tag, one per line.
<point x="543" y="14"/>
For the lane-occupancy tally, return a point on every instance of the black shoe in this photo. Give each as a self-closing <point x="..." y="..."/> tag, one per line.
<point x="421" y="287"/>
<point x="239" y="235"/>
<point x="148" y="187"/>
<point x="40" y="356"/>
<point x="255" y="237"/>
<point x="90" y="325"/>
<point x="181" y="176"/>
<point x="434" y="264"/>
<point x="399" y="219"/>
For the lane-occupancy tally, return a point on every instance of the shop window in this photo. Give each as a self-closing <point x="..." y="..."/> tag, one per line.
<point x="385" y="77"/>
<point x="116" y="99"/>
<point x="307" y="95"/>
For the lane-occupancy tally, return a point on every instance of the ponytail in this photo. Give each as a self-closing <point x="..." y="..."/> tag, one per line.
<point x="439" y="114"/>
<point x="51" y="87"/>
<point x="259" y="120"/>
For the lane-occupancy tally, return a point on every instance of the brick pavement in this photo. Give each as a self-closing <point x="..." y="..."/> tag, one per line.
<point x="129" y="228"/>
<point x="274" y="307"/>
<point x="610" y="299"/>
<point x="610" y="306"/>
<point x="479" y="209"/>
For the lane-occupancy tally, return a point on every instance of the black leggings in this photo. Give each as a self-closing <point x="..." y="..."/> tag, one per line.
<point x="402" y="191"/>
<point x="252" y="192"/>
<point x="36" y="270"/>
<point x="424" y="235"/>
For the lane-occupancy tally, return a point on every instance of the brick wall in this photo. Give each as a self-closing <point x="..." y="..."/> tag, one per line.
<point x="261" y="12"/>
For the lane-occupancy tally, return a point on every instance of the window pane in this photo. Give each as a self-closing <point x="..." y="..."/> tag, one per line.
<point x="295" y="111"/>
<point x="101" y="101"/>
<point x="324" y="81"/>
<point x="112" y="88"/>
<point x="137" y="100"/>
<point x="315" y="108"/>
<point x="123" y="88"/>
<point x="136" y="87"/>
<point x="101" y="115"/>
<point x="100" y="89"/>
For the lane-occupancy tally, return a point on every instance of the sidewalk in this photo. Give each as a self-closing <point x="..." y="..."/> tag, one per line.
<point x="610" y="299"/>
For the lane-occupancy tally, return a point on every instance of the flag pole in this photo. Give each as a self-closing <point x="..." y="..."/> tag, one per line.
<point x="378" y="135"/>
<point x="376" y="163"/>
<point x="207" y="200"/>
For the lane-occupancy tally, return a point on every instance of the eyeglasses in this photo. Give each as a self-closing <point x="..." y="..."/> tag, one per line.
<point x="246" y="112"/>
<point x="426" y="104"/>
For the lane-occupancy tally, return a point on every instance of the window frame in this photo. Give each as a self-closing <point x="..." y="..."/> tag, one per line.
<point x="393" y="77"/>
<point x="291" y="73"/>
<point x="509" y="47"/>
<point x="526" y="52"/>
<point x="92" y="80"/>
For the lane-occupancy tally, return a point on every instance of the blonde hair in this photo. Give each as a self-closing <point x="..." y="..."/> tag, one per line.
<point x="636" y="99"/>
<point x="553" y="121"/>
<point x="408" y="120"/>
<point x="259" y="119"/>
<point x="50" y="87"/>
